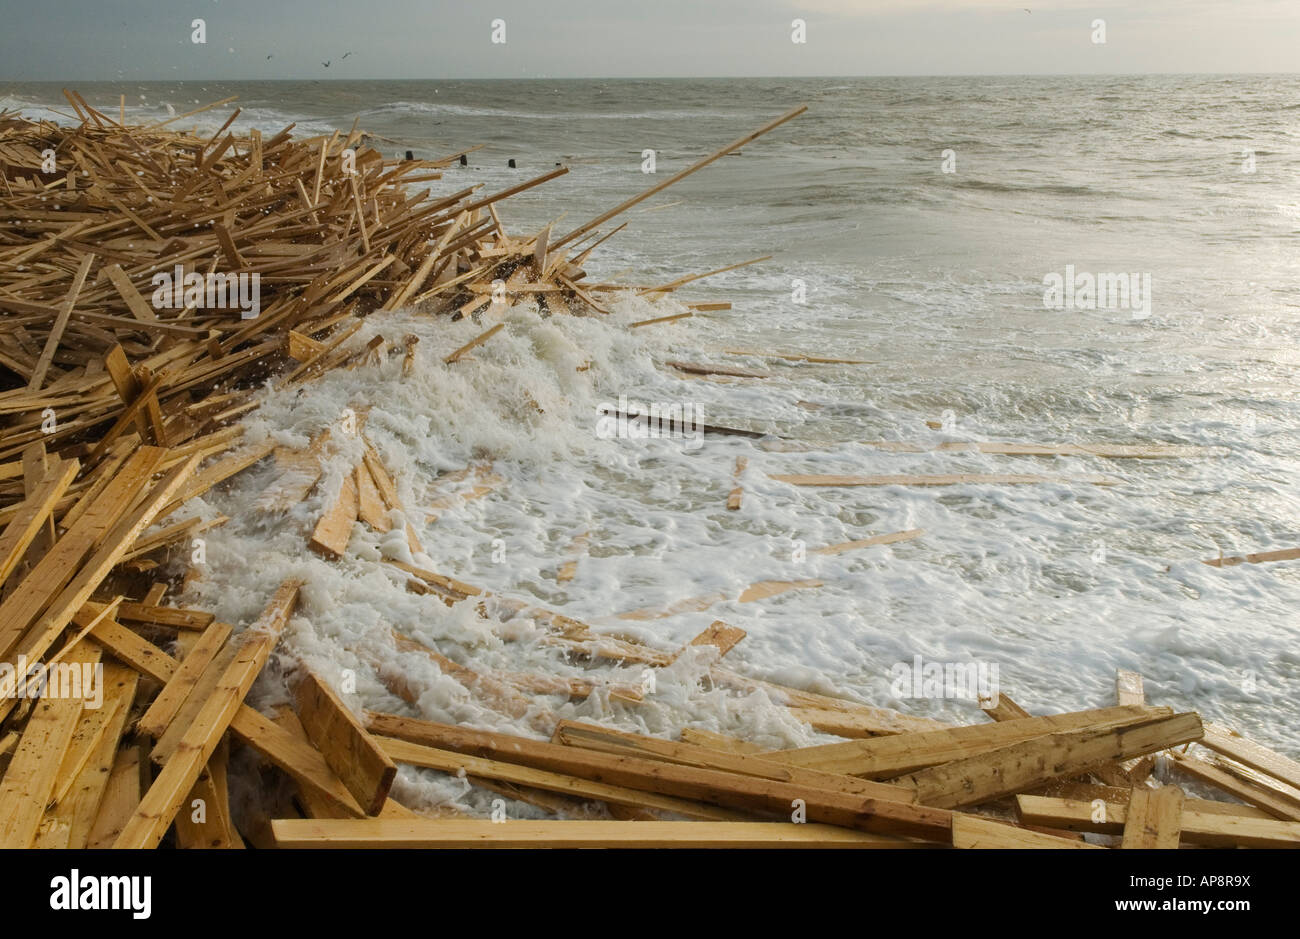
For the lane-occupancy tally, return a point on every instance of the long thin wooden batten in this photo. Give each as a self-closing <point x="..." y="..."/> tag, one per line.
<point x="676" y="177"/>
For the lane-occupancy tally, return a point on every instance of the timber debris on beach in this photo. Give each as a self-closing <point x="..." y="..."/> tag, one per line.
<point x="151" y="281"/>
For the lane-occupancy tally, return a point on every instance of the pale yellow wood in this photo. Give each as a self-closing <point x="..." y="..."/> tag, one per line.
<point x="972" y="831"/>
<point x="1023" y="765"/>
<point x="1154" y="818"/>
<point x="1202" y="828"/>
<point x="478" y="833"/>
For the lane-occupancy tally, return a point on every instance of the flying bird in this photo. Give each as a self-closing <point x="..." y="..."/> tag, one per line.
<point x="346" y="54"/>
<point x="268" y="58"/>
<point x="326" y="64"/>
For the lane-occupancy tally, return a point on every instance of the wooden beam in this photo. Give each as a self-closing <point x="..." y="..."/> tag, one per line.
<point x="1034" y="762"/>
<point x="346" y="746"/>
<point x="973" y="831"/>
<point x="30" y="781"/>
<point x="479" y="768"/>
<point x="480" y="833"/>
<point x="167" y="704"/>
<point x="59" y="324"/>
<point x="161" y="803"/>
<point x="942" y="479"/>
<point x="1154" y="818"/>
<point x="1203" y="828"/>
<point x="706" y="785"/>
<point x="883" y="757"/>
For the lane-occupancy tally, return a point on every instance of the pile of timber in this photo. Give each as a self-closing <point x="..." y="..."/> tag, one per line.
<point x="116" y="410"/>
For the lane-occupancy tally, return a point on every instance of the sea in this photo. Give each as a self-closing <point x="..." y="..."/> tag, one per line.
<point x="941" y="233"/>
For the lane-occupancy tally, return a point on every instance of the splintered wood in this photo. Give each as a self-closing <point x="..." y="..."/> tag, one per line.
<point x="152" y="281"/>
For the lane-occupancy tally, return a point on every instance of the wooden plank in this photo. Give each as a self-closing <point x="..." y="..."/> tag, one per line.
<point x="942" y="479"/>
<point x="1275" y="803"/>
<point x="607" y="740"/>
<point x="35" y="592"/>
<point x="1235" y="747"/>
<point x="482" y="833"/>
<point x="1262" y="557"/>
<point x="183" y="679"/>
<point x="1034" y="762"/>
<point x="52" y="622"/>
<point x="883" y="757"/>
<point x="972" y="831"/>
<point x="121" y="796"/>
<point x="161" y="803"/>
<point x="891" y="538"/>
<point x="33" y="514"/>
<point x="473" y="343"/>
<point x="720" y="636"/>
<point x="126" y="290"/>
<point x="76" y="811"/>
<point x="735" y="497"/>
<point x="1154" y="818"/>
<point x="333" y="531"/>
<point x="288" y="748"/>
<point x="1202" y="828"/>
<point x="346" y="746"/>
<point x="1128" y="687"/>
<point x="32" y="776"/>
<point x="706" y="785"/>
<point x="370" y="504"/>
<point x="205" y="820"/>
<point x="59" y="324"/>
<point x="1005" y="710"/>
<point x="477" y="768"/>
<point x="658" y="187"/>
<point x="700" y="737"/>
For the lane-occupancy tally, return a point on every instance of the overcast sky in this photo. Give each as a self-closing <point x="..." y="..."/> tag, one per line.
<point x="86" y="40"/>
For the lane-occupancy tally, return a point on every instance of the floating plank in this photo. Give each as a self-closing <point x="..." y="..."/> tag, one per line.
<point x="944" y="479"/>
<point x="334" y="530"/>
<point x="972" y="831"/>
<point x="1154" y="818"/>
<point x="720" y="636"/>
<point x="702" y="368"/>
<point x="1149" y="451"/>
<point x="891" y="538"/>
<point x="348" y="750"/>
<point x="737" y="494"/>
<point x="569" y="569"/>
<point x="1031" y="763"/>
<point x="1202" y="828"/>
<point x="660" y="319"/>
<point x="159" y="807"/>
<point x="796" y="357"/>
<point x="479" y="833"/>
<point x="474" y="343"/>
<point x="1285" y="554"/>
